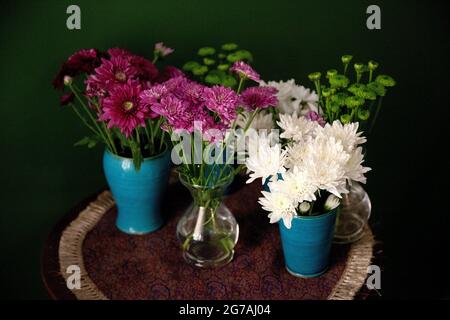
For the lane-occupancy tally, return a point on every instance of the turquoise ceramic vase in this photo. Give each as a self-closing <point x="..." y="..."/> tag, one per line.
<point x="137" y="194"/>
<point x="306" y="246"/>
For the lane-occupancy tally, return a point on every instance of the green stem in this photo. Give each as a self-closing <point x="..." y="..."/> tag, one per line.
<point x="86" y="109"/>
<point x="380" y="100"/>
<point x="241" y="84"/>
<point x="83" y="119"/>
<point x="370" y="75"/>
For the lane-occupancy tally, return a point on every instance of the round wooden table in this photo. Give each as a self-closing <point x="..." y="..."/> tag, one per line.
<point x="115" y="265"/>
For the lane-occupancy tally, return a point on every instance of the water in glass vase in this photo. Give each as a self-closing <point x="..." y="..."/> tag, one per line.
<point x="207" y="230"/>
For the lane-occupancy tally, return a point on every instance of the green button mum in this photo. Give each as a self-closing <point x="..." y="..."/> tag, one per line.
<point x="315" y="76"/>
<point x="206" y="51"/>
<point x="339" y="81"/>
<point x="377" y="88"/>
<point x="385" y="80"/>
<point x="346" y="118"/>
<point x="363" y="114"/>
<point x="354" y="101"/>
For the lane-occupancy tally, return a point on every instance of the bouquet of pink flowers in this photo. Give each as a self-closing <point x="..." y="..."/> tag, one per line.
<point x="108" y="91"/>
<point x="190" y="110"/>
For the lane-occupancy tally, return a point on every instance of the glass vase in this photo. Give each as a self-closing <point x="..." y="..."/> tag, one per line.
<point x="353" y="215"/>
<point x="207" y="231"/>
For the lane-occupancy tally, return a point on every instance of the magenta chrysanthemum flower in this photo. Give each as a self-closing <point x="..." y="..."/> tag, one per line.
<point x="176" y="112"/>
<point x="221" y="100"/>
<point x="258" y="97"/>
<point x="162" y="50"/>
<point x="314" y="116"/>
<point x="83" y="61"/>
<point x="151" y="97"/>
<point x="119" y="52"/>
<point x="169" y="72"/>
<point x="145" y="69"/>
<point x="67" y="98"/>
<point x="124" y="108"/>
<point x="244" y="71"/>
<point x="112" y="72"/>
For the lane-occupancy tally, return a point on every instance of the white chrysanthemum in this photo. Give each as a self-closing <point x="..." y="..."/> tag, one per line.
<point x="262" y="120"/>
<point x="295" y="153"/>
<point x="354" y="169"/>
<point x="280" y="206"/>
<point x="324" y="161"/>
<point x="294" y="98"/>
<point x="347" y="134"/>
<point x="297" y="185"/>
<point x="264" y="159"/>
<point x="296" y="127"/>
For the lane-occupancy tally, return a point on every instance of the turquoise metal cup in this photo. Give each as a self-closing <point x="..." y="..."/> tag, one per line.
<point x="307" y="245"/>
<point x="137" y="194"/>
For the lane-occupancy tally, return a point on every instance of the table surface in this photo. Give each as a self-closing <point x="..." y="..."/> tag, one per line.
<point x="151" y="266"/>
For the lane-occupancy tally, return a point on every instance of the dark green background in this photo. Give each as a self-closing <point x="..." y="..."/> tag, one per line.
<point x="43" y="175"/>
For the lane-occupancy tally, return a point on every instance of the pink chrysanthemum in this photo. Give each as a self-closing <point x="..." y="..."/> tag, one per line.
<point x="119" y="52"/>
<point x="258" y="97"/>
<point x="314" y="116"/>
<point x="169" y="72"/>
<point x="162" y="50"/>
<point x="145" y="69"/>
<point x="124" y="108"/>
<point x="244" y="71"/>
<point x="151" y="97"/>
<point x="112" y="72"/>
<point x="221" y="100"/>
<point x="176" y="112"/>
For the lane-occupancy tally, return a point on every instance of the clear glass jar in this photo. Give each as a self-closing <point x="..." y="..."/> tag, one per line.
<point x="207" y="231"/>
<point x="353" y="215"/>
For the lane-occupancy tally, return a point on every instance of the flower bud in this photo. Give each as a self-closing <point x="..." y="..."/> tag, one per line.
<point x="363" y="115"/>
<point x="346" y="118"/>
<point x="68" y="80"/>
<point x="331" y="203"/>
<point x="346" y="59"/>
<point x="304" y="207"/>
<point x="315" y="76"/>
<point x="326" y="92"/>
<point x="331" y="73"/>
<point x="359" y="67"/>
<point x="373" y="65"/>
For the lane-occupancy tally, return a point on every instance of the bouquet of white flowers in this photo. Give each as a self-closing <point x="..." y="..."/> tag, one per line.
<point x="307" y="173"/>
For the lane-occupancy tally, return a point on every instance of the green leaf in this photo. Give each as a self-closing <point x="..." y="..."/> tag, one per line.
<point x="90" y="142"/>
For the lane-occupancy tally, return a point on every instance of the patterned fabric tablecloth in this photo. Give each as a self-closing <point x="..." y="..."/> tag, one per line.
<point x="115" y="265"/>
